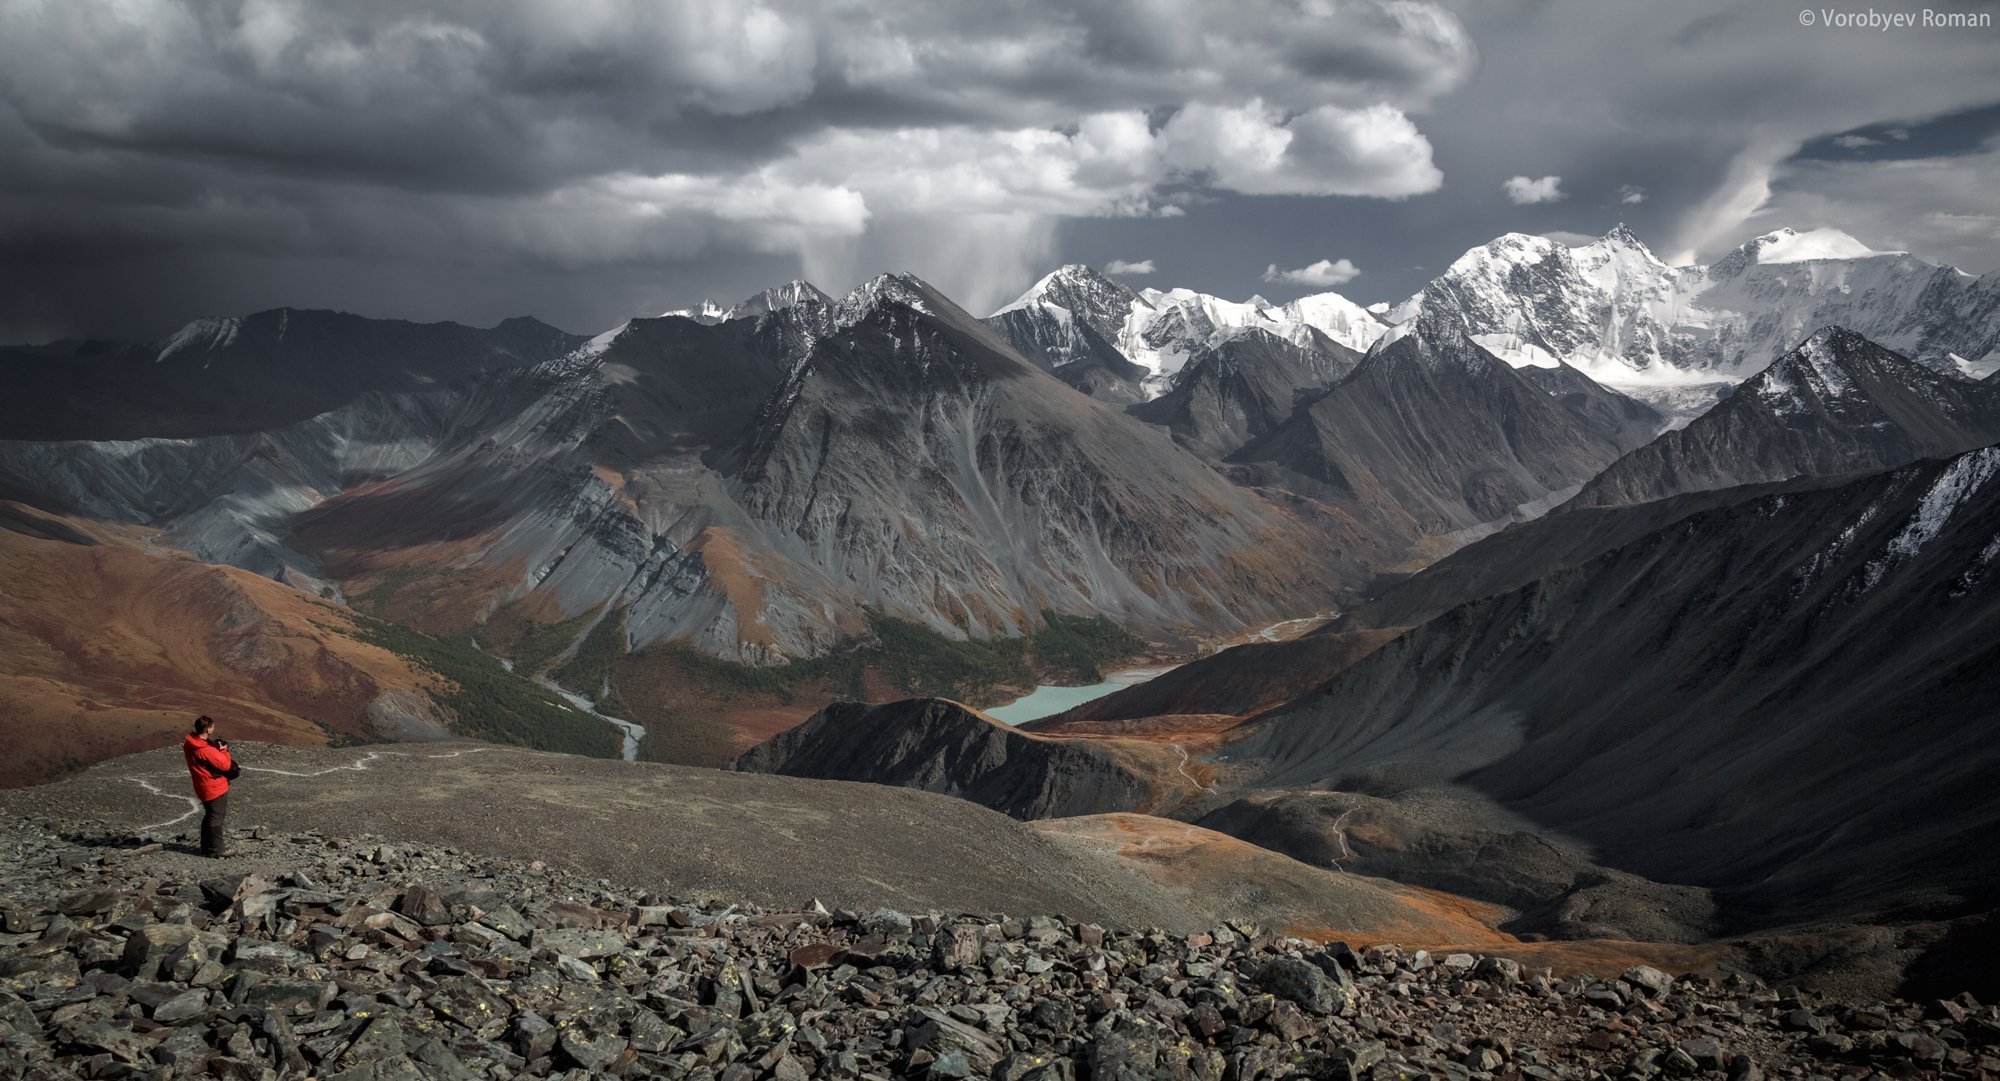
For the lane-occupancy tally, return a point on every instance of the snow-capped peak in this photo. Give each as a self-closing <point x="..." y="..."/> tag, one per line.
<point x="1062" y="283"/>
<point x="708" y="311"/>
<point x="906" y="289"/>
<point x="1166" y="327"/>
<point x="207" y="333"/>
<point x="596" y="346"/>
<point x="1338" y="318"/>
<point x="776" y="298"/>
<point x="1504" y="251"/>
<point x="1620" y="245"/>
<point x="1792" y="246"/>
<point x="1674" y="336"/>
<point x="779" y="297"/>
<point x="1488" y="268"/>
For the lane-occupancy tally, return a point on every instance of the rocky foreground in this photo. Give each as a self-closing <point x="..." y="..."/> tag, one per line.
<point x="367" y="959"/>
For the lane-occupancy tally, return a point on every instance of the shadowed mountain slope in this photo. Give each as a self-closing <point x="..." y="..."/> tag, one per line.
<point x="1838" y="403"/>
<point x="223" y="376"/>
<point x="1435" y="435"/>
<point x="941" y="746"/>
<point x="1243" y="386"/>
<point x="1803" y="660"/>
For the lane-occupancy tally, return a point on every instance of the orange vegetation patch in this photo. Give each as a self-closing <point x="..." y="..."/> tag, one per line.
<point x="751" y="725"/>
<point x="111" y="647"/>
<point x="1327" y="905"/>
<point x="741" y="583"/>
<point x="412" y="556"/>
<point x="1292" y="897"/>
<point x="507" y="629"/>
<point x="1186" y="728"/>
<point x="614" y="479"/>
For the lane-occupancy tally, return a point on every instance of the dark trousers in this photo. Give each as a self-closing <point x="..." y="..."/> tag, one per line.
<point x="213" y="815"/>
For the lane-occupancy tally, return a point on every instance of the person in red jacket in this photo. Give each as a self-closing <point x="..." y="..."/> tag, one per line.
<point x="212" y="768"/>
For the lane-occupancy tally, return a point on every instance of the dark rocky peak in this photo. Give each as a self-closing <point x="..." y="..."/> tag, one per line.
<point x="885" y="290"/>
<point x="901" y="322"/>
<point x="1839" y="370"/>
<point x="1182" y="323"/>
<point x="1434" y="341"/>
<point x="1837" y="403"/>
<point x="1087" y="294"/>
<point x="797" y="293"/>
<point x="1242" y="386"/>
<point x="792" y="294"/>
<point x="941" y="746"/>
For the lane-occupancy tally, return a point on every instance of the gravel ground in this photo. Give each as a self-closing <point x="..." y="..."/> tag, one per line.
<point x="371" y="959"/>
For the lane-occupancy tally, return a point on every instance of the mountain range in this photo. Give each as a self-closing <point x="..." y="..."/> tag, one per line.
<point x="1641" y="572"/>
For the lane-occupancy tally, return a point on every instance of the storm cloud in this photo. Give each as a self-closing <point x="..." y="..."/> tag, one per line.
<point x="603" y="133"/>
<point x="589" y="160"/>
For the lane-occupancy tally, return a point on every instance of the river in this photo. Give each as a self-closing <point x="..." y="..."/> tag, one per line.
<point x="632" y="731"/>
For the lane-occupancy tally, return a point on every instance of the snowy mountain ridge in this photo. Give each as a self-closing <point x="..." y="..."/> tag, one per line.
<point x="1161" y="330"/>
<point x="1614" y="310"/>
<point x="777" y="298"/>
<point x="1674" y="336"/>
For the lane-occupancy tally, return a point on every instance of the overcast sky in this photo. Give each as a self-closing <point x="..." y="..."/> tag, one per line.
<point x="587" y="160"/>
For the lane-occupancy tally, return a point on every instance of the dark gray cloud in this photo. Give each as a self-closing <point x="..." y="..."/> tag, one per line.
<point x="652" y="139"/>
<point x="592" y="159"/>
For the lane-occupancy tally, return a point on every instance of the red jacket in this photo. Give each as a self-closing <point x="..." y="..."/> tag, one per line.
<point x="207" y="763"/>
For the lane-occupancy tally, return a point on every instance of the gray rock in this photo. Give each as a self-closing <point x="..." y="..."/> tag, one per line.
<point x="508" y="922"/>
<point x="1303" y="983"/>
<point x="591" y="1051"/>
<point x="1123" y="1056"/>
<point x="181" y="1007"/>
<point x="532" y="1035"/>
<point x="938" y="1033"/>
<point x="1652" y="979"/>
<point x="225" y="890"/>
<point x="578" y="942"/>
<point x="1705" y="1052"/>
<point x="423" y="905"/>
<point x="148" y="947"/>
<point x="886" y="921"/>
<point x="381" y="1039"/>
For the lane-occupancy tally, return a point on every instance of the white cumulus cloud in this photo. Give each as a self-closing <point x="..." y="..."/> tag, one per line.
<point x="1326" y="272"/>
<point x="1631" y="195"/>
<point x="1522" y="191"/>
<point x="1256" y="149"/>
<point x="1132" y="266"/>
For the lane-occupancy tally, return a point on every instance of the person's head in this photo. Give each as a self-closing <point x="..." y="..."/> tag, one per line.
<point x="204" y="726"/>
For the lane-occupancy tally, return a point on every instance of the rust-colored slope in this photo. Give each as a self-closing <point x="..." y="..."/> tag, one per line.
<point x="109" y="646"/>
<point x="1328" y="904"/>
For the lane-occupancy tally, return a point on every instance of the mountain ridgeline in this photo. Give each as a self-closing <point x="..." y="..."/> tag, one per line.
<point x="1666" y="596"/>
